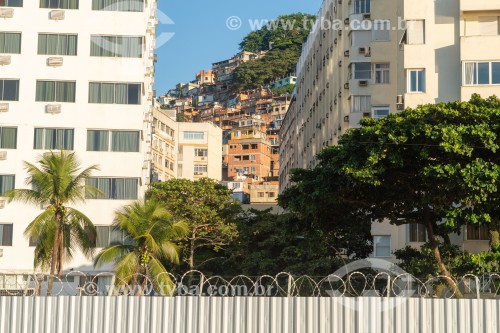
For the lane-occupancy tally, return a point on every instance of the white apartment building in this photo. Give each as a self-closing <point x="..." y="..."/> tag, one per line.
<point x="185" y="150"/>
<point x="386" y="56"/>
<point x="78" y="76"/>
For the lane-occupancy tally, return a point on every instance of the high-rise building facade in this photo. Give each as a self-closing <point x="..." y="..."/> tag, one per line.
<point x="77" y="76"/>
<point x="372" y="58"/>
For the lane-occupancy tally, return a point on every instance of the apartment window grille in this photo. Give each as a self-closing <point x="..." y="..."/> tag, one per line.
<point x="57" y="44"/>
<point x="8" y="137"/>
<point x="417" y="233"/>
<point x="114" y="188"/>
<point x="381" y="111"/>
<point x="11" y="3"/>
<point x="61" y="4"/>
<point x="415" y="32"/>
<point x="9" y="90"/>
<point x="381" y="30"/>
<point x="382" y="73"/>
<point x="114" y="93"/>
<point x="116" y="46"/>
<point x="10" y="42"/>
<point x="481" y="73"/>
<point x="6" y="231"/>
<point x="200" y="168"/>
<point x="478" y="232"/>
<point x="7" y="183"/>
<point x="361" y="104"/>
<point x="361" y="6"/>
<point x="194" y="135"/>
<point x="55" y="91"/>
<point x="121" y="141"/>
<point x="201" y="152"/>
<point x="416" y="80"/>
<point x="54" y="138"/>
<point x="118" y="5"/>
<point x="362" y="71"/>
<point x="382" y="246"/>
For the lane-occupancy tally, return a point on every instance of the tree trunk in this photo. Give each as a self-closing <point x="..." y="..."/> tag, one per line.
<point x="437" y="254"/>
<point x="55" y="254"/>
<point x="191" y="252"/>
<point x="494" y="235"/>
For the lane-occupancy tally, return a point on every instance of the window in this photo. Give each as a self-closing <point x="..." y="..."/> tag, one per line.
<point x="121" y="141"/>
<point x="7" y="183"/>
<point x="200" y="152"/>
<point x="110" y="235"/>
<point x="416" y="80"/>
<point x="481" y="73"/>
<point x="271" y="195"/>
<point x="199" y="168"/>
<point x="8" y="137"/>
<point x="415" y="32"/>
<point x="194" y="135"/>
<point x="254" y="146"/>
<point x="489" y="25"/>
<point x="6" y="234"/>
<point x="361" y="6"/>
<point x="115" y="188"/>
<point x="55" y="91"/>
<point x="362" y="71"/>
<point x="417" y="233"/>
<point x="10" y="42"/>
<point x="57" y="44"/>
<point x="361" y="104"/>
<point x="381" y="30"/>
<point x="478" y="232"/>
<point x="381" y="111"/>
<point x="382" y="73"/>
<point x="9" y="90"/>
<point x="118" y="5"/>
<point x="382" y="245"/>
<point x="252" y="157"/>
<point x="114" y="93"/>
<point x="11" y="3"/>
<point x="54" y="138"/>
<point x="116" y="46"/>
<point x="62" y="4"/>
<point x="260" y="194"/>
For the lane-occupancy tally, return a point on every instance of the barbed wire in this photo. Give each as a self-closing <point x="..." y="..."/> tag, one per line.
<point x="195" y="283"/>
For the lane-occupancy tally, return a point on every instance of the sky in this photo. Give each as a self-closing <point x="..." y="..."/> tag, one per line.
<point x="199" y="33"/>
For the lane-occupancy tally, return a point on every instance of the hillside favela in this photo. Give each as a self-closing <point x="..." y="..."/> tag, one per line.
<point x="249" y="167"/>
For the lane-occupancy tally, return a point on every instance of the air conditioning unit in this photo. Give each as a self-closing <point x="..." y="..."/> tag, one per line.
<point x="53" y="108"/>
<point x="346" y="85"/>
<point x="4" y="107"/>
<point x="56" y="15"/>
<point x="347" y="21"/>
<point x="362" y="50"/>
<point x="367" y="115"/>
<point x="346" y="53"/>
<point x="203" y="158"/>
<point x="5" y="60"/>
<point x="6" y="12"/>
<point x="3" y="155"/>
<point x="2" y="204"/>
<point x="368" y="52"/>
<point x="150" y="71"/>
<point x="367" y="16"/>
<point x="55" y="61"/>
<point x="363" y="83"/>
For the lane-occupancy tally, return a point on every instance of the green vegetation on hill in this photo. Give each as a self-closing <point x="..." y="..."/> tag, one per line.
<point x="286" y="34"/>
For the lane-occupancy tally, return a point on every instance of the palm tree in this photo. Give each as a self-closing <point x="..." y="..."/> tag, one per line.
<point x="57" y="182"/>
<point x="149" y="243"/>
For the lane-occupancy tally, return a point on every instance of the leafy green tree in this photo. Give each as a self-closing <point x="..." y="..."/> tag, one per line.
<point x="288" y="89"/>
<point x="57" y="183"/>
<point x="437" y="165"/>
<point x="150" y="236"/>
<point x="209" y="211"/>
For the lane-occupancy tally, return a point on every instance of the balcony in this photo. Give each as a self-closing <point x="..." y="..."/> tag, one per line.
<point x="478" y="48"/>
<point x="479" y="5"/>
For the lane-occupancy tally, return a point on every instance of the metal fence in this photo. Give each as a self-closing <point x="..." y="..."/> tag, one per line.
<point x="195" y="283"/>
<point x="246" y="314"/>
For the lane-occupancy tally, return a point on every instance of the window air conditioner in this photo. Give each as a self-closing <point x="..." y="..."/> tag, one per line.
<point x="4" y="107"/>
<point x="366" y="17"/>
<point x="346" y="53"/>
<point x="56" y="15"/>
<point x="2" y="204"/>
<point x="53" y="108"/>
<point x="346" y="86"/>
<point x="362" y="50"/>
<point x="55" y="61"/>
<point x="5" y="60"/>
<point x="6" y="13"/>
<point x="363" y="83"/>
<point x="3" y="155"/>
<point x="368" y="52"/>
